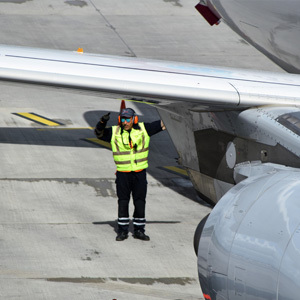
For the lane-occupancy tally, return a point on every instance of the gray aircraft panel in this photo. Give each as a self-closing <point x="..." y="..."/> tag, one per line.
<point x="272" y="29"/>
<point x="252" y="236"/>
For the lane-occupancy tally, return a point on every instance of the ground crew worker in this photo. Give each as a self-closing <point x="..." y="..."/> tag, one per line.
<point x="130" y="145"/>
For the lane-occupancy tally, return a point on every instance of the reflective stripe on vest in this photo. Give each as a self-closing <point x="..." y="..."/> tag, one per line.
<point x="130" y="157"/>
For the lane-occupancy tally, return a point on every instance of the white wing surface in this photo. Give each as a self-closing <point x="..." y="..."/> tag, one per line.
<point x="150" y="79"/>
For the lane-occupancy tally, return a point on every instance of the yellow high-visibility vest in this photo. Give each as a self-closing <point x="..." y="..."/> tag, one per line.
<point x="130" y="156"/>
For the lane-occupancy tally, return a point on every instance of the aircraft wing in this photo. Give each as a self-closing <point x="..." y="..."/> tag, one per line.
<point x="156" y="80"/>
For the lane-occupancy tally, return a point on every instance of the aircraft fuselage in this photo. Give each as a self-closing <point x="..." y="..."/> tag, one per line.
<point x="270" y="26"/>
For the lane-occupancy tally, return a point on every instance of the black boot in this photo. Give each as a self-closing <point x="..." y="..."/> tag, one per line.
<point x="122" y="236"/>
<point x="141" y="236"/>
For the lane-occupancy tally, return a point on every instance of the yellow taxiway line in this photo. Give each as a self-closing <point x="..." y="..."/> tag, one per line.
<point x="38" y="119"/>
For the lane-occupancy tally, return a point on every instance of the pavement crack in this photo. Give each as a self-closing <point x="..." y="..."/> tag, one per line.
<point x="130" y="51"/>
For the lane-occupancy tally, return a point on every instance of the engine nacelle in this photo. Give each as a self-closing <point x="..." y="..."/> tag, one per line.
<point x="250" y="243"/>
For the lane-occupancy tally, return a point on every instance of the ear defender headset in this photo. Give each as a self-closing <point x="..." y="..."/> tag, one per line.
<point x="135" y="118"/>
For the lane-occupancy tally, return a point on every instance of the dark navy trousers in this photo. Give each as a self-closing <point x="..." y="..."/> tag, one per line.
<point x="135" y="184"/>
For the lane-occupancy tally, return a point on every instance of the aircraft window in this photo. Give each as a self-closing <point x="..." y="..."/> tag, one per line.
<point x="290" y="121"/>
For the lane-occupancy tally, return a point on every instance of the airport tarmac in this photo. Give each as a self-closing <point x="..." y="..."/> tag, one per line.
<point x="58" y="202"/>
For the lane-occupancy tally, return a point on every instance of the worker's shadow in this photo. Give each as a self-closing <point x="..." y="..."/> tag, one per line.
<point x="114" y="224"/>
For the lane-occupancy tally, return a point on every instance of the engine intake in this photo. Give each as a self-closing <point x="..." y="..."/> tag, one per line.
<point x="250" y="243"/>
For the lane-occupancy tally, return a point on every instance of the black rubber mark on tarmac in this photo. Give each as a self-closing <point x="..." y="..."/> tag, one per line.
<point x="131" y="280"/>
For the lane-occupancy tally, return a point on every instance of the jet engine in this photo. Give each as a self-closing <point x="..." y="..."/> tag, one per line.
<point x="250" y="243"/>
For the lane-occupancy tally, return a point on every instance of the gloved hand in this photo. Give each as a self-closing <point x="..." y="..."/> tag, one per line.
<point x="100" y="126"/>
<point x="105" y="118"/>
